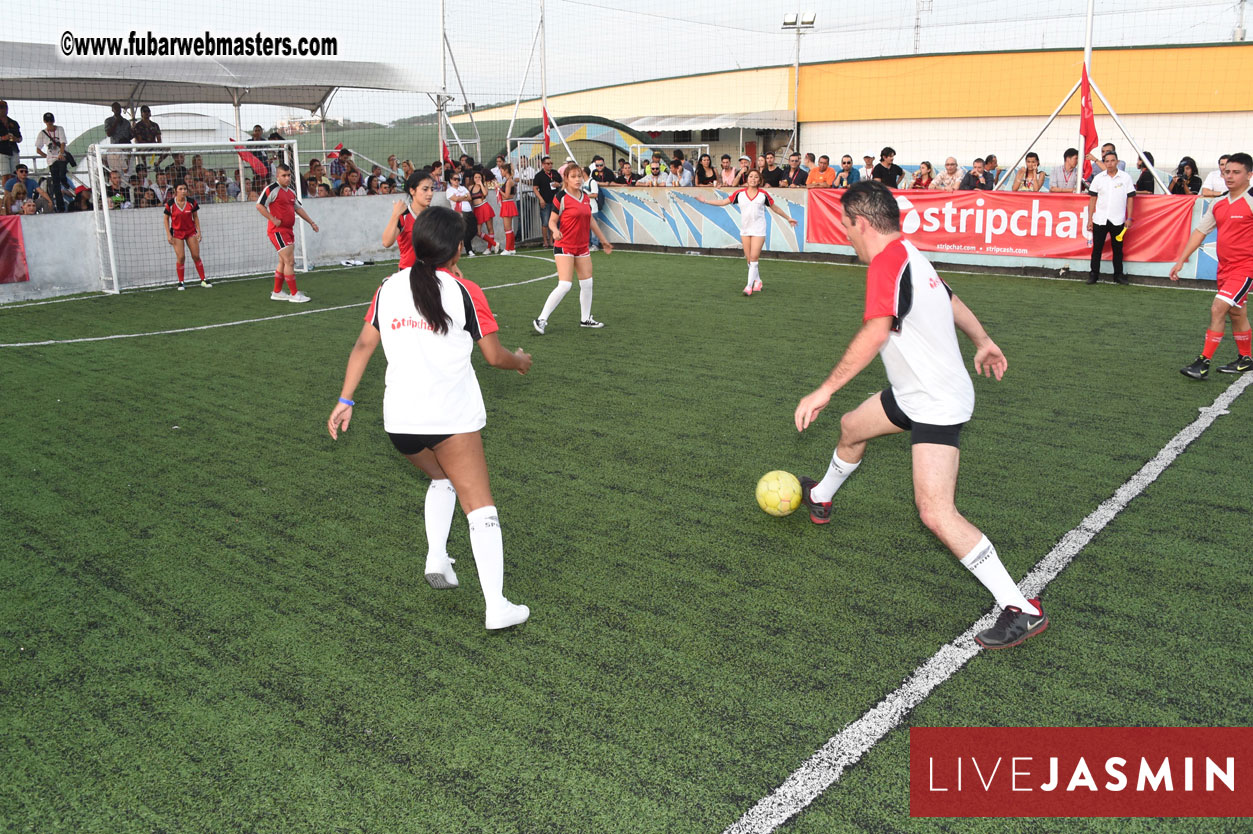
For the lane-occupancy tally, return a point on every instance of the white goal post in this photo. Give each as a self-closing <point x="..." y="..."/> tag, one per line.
<point x="221" y="177"/>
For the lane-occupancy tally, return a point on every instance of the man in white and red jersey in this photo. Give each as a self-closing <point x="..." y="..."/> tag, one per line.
<point x="279" y="205"/>
<point x="911" y="321"/>
<point x="1232" y="215"/>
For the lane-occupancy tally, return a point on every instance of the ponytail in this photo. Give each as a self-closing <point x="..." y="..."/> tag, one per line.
<point x="437" y="235"/>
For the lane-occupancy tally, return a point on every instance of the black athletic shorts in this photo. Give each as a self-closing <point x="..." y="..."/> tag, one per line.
<point x="919" y="432"/>
<point x="411" y="444"/>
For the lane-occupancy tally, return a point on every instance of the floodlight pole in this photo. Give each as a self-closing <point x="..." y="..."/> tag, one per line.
<point x="800" y="23"/>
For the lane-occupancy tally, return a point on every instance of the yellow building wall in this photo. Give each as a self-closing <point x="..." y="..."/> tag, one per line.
<point x="1158" y="80"/>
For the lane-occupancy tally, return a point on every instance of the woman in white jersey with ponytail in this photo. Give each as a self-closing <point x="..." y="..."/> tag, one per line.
<point x="428" y="320"/>
<point x="753" y="202"/>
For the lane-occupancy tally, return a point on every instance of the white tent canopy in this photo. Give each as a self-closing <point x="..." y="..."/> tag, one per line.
<point x="38" y="72"/>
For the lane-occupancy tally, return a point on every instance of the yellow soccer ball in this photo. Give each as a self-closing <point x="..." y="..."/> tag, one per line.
<point x="779" y="493"/>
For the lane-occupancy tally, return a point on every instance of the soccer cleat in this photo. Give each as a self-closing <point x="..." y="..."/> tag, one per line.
<point x="1242" y="365"/>
<point x="1013" y="627"/>
<point x="439" y="573"/>
<point x="1198" y="369"/>
<point x="299" y="298"/>
<point x="469" y="254"/>
<point x="506" y="615"/>
<point x="180" y="286"/>
<point x="279" y="296"/>
<point x="591" y="322"/>
<point x="206" y="285"/>
<point x="540" y="325"/>
<point x="757" y="285"/>
<point x="748" y="290"/>
<point x="819" y="511"/>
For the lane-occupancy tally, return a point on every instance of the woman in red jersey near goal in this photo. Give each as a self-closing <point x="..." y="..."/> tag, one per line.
<point x="428" y="321"/>
<point x="508" y="205"/>
<point x="572" y="224"/>
<point x="399" y="228"/>
<point x="182" y="230"/>
<point x="753" y="202"/>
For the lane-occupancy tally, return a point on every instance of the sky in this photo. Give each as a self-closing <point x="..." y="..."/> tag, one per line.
<point x="592" y="43"/>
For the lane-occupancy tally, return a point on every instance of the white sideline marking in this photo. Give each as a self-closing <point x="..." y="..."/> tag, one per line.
<point x="234" y="323"/>
<point x="825" y="767"/>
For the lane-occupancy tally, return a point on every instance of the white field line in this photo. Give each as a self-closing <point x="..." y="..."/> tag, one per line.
<point x="824" y="768"/>
<point x="234" y="323"/>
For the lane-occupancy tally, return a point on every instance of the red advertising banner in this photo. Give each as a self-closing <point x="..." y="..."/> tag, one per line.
<point x="1081" y="771"/>
<point x="12" y="251"/>
<point x="1015" y="223"/>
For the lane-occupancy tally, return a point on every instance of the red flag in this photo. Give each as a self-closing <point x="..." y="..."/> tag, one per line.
<point x="1087" y="122"/>
<point x="334" y="153"/>
<point x="547" y="142"/>
<point x="443" y="147"/>
<point x="12" y="251"/>
<point x="258" y="167"/>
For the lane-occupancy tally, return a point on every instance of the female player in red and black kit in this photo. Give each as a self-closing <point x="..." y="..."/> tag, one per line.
<point x="428" y="321"/>
<point x="182" y="229"/>
<point x="508" y="205"/>
<point x="399" y="228"/>
<point x="571" y="223"/>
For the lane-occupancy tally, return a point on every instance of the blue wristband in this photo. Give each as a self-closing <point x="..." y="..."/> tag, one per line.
<point x="346" y="402"/>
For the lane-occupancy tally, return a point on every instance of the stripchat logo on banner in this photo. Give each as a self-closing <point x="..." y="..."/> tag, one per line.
<point x="1081" y="772"/>
<point x="1014" y="224"/>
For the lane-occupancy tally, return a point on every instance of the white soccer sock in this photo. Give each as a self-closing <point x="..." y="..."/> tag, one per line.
<point x="751" y="269"/>
<point x="756" y="265"/>
<point x="837" y="473"/>
<point x="554" y="298"/>
<point x="489" y="553"/>
<point x="441" y="503"/>
<point x="987" y="568"/>
<point x="585" y="298"/>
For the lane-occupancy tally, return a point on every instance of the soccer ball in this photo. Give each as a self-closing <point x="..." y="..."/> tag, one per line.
<point x="778" y="493"/>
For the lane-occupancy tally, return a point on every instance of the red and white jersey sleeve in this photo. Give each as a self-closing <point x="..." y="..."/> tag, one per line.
<point x="431" y="385"/>
<point x="281" y="203"/>
<point x="921" y="356"/>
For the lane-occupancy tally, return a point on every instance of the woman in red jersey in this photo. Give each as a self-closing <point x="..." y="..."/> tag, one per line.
<point x="572" y="224"/>
<point x="399" y="228"/>
<point x="182" y="230"/>
<point x="428" y="321"/>
<point x="508" y="205"/>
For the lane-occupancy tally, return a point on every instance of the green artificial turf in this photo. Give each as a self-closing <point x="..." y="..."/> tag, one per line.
<point x="215" y="619"/>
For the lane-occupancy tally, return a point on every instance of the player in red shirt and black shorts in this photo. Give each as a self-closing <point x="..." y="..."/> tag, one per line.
<point x="399" y="228"/>
<point x="1232" y="215"/>
<point x="571" y="223"/>
<point x="182" y="229"/>
<point x="428" y="320"/>
<point x="279" y="205"/>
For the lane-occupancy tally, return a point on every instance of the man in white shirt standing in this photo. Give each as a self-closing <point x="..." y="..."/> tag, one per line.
<point x="1109" y="213"/>
<point x="1214" y="185"/>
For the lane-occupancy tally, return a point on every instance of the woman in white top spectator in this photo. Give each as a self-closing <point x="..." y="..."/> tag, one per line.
<point x="753" y="201"/>
<point x="428" y="320"/>
<point x="459" y="199"/>
<point x="1030" y="178"/>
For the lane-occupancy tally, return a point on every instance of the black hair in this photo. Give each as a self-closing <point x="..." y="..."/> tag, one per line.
<point x="282" y="166"/>
<point x="727" y="157"/>
<point x="887" y="152"/>
<point x="437" y="236"/>
<point x="1070" y="152"/>
<point x="1241" y="158"/>
<point x="872" y="200"/>
<point x="1187" y="160"/>
<point x="417" y="178"/>
<point x="678" y="155"/>
<point x="1032" y="155"/>
<point x="597" y="158"/>
<point x="1149" y="156"/>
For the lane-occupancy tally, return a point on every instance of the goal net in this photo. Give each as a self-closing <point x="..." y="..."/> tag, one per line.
<point x="132" y="183"/>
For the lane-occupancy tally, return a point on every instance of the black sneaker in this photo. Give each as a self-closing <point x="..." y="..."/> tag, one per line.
<point x="1198" y="369"/>
<point x="819" y="512"/>
<point x="1013" y="627"/>
<point x="1242" y="365"/>
<point x="591" y="322"/>
<point x="1122" y="279"/>
<point x="1092" y="276"/>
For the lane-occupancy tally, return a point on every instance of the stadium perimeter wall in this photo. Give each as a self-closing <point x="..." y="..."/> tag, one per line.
<point x="674" y="219"/>
<point x="61" y="249"/>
